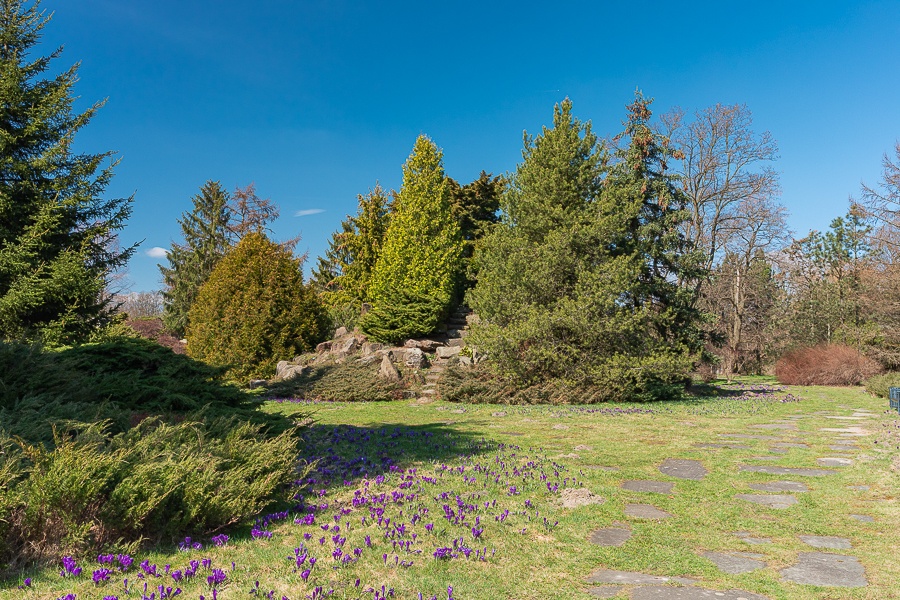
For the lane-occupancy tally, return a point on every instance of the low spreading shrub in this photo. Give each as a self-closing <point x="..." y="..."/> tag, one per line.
<point x="154" y="482"/>
<point x="825" y="364"/>
<point x="345" y="382"/>
<point x="879" y="384"/>
<point x="481" y="385"/>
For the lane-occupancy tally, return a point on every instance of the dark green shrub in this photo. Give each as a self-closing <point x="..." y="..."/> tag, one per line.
<point x="254" y="310"/>
<point x="879" y="384"/>
<point x="403" y="315"/>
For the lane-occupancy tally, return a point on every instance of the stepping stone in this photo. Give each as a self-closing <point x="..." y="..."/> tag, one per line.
<point x="826" y="541"/>
<point x="787" y="471"/>
<point x="818" y="568"/>
<point x="582" y="448"/>
<point x="513" y="433"/>
<point x="658" y="592"/>
<point x="735" y="563"/>
<point x="744" y="436"/>
<point x="610" y="536"/>
<point x="605" y="591"/>
<point x="834" y="462"/>
<point x="848" y="430"/>
<point x="645" y="511"/>
<point x="778" y="501"/>
<point x="683" y="468"/>
<point x="632" y="578"/>
<point x="841" y="448"/>
<point x="732" y="446"/>
<point x="766" y="457"/>
<point x="560" y="426"/>
<point x="780" y="486"/>
<point x="858" y="488"/>
<point x="789" y="445"/>
<point x="853" y="418"/>
<point x="656" y="487"/>
<point x="779" y="450"/>
<point x="862" y="518"/>
<point x="746" y="536"/>
<point x="775" y="426"/>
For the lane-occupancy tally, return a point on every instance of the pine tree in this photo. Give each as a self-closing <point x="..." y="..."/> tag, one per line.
<point x="422" y="247"/>
<point x="57" y="235"/>
<point x="207" y="236"/>
<point x="476" y="206"/>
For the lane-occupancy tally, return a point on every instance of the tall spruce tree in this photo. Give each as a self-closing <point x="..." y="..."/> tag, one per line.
<point x="207" y="237"/>
<point x="57" y="235"/>
<point x="419" y="262"/>
<point x="577" y="284"/>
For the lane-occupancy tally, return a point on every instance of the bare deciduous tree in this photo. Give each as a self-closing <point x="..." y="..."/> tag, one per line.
<point x="725" y="165"/>
<point x="882" y="204"/>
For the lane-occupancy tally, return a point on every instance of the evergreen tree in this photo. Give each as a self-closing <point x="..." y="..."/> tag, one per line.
<point x="578" y="281"/>
<point x="57" y="235"/>
<point x="254" y="310"/>
<point x="422" y="246"/>
<point x="207" y="236"/>
<point x="476" y="207"/>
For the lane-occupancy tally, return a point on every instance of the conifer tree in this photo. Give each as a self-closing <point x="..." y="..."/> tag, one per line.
<point x="422" y="247"/>
<point x="57" y="234"/>
<point x="207" y="237"/>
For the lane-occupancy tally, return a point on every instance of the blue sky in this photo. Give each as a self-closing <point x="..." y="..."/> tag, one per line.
<point x="315" y="101"/>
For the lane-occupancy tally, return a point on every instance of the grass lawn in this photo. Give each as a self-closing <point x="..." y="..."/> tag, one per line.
<point x="419" y="498"/>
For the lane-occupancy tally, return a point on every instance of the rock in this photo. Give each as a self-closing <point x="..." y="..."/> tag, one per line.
<point x="778" y="501"/>
<point x="286" y="370"/>
<point x="656" y="487"/>
<point x="371" y="348"/>
<point x="683" y="469"/>
<point x="323" y="347"/>
<point x="575" y="497"/>
<point x="465" y="361"/>
<point x="415" y="358"/>
<point x="787" y="471"/>
<point x="426" y="345"/>
<point x="633" y="578"/>
<point x="281" y="367"/>
<point x="456" y="343"/>
<point x="826" y="541"/>
<point x="660" y="592"/>
<point x="818" y="568"/>
<point x="610" y="536"/>
<point x="645" y="511"/>
<point x="257" y="383"/>
<point x="367" y="360"/>
<point x="346" y="347"/>
<point x="387" y="370"/>
<point x="448" y="351"/>
<point x="735" y="563"/>
<point x="340" y="332"/>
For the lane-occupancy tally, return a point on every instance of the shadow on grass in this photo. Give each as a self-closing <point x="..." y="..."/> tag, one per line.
<point x="347" y="453"/>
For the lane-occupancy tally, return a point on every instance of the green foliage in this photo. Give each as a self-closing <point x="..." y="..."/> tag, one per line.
<point x="207" y="237"/>
<point x="879" y="384"/>
<point x="476" y="206"/>
<point x="254" y="310"/>
<point x="577" y="282"/>
<point x="404" y="315"/>
<point x="156" y="481"/>
<point x="118" y="381"/>
<point x="345" y="382"/>
<point x="57" y="235"/>
<point x="423" y="247"/>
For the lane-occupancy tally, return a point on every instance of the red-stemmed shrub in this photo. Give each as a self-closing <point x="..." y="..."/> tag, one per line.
<point x="825" y="364"/>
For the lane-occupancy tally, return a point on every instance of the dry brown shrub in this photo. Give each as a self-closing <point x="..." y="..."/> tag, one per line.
<point x="825" y="364"/>
<point x="153" y="329"/>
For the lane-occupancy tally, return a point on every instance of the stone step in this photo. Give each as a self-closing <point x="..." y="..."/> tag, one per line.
<point x="429" y="392"/>
<point x="456" y="342"/>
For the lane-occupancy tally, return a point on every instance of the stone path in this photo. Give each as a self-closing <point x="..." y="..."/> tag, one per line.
<point x="809" y="568"/>
<point x="683" y="469"/>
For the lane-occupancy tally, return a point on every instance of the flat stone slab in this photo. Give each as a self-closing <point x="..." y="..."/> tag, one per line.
<point x="786" y="471"/>
<point x="644" y="485"/>
<point x="853" y="418"/>
<point x="634" y="578"/>
<point x="790" y="445"/>
<point x="658" y="592"/>
<point x="850" y="430"/>
<point x="863" y="518"/>
<point x="841" y="448"/>
<point x="645" y="511"/>
<point x="605" y="591"/>
<point x="746" y="536"/>
<point x="747" y="436"/>
<point x="833" y="461"/>
<point x="780" y="486"/>
<point x="826" y="541"/>
<point x="724" y="445"/>
<point x="771" y="500"/>
<point x="735" y="563"/>
<point x="610" y="536"/>
<point x="683" y="468"/>
<point x="858" y="488"/>
<point x="818" y="568"/>
<point x="512" y="433"/>
<point x="791" y="426"/>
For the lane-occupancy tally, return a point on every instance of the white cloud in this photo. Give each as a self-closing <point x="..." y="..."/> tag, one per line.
<point x="157" y="252"/>
<point x="308" y="211"/>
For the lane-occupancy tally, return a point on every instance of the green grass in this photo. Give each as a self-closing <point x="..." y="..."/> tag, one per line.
<point x="552" y="562"/>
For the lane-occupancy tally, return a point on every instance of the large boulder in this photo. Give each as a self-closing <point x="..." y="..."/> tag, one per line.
<point x="371" y="348"/>
<point x="285" y="370"/>
<point x="324" y="347"/>
<point x="415" y="358"/>
<point x="448" y="351"/>
<point x="387" y="370"/>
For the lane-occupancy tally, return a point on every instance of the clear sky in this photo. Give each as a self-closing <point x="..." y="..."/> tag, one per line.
<point x="316" y="101"/>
